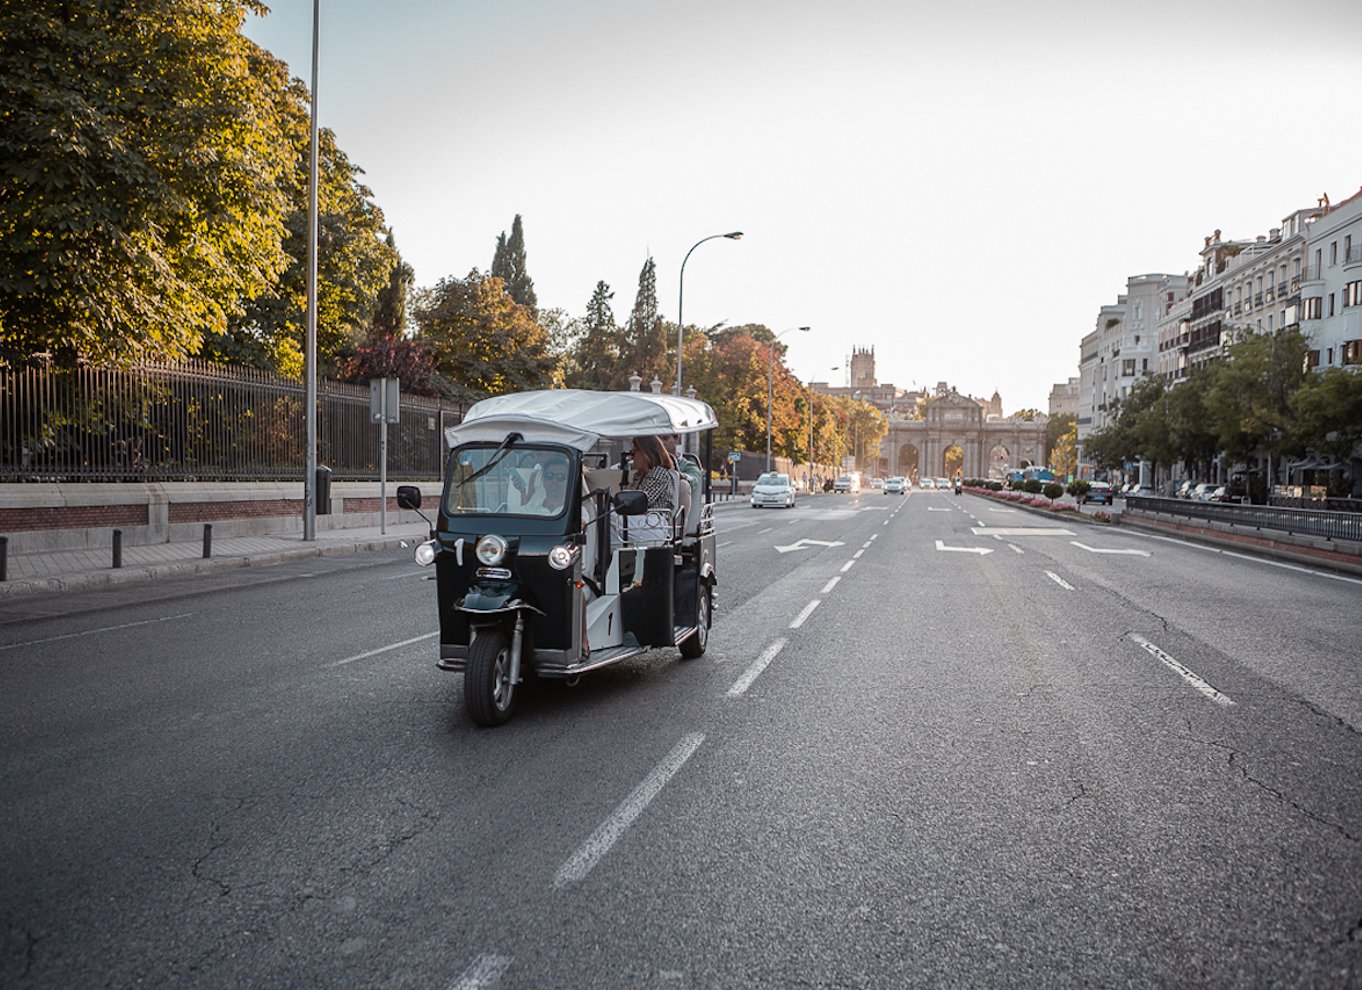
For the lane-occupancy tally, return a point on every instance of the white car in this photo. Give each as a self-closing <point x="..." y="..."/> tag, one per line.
<point x="926" y="483"/>
<point x="775" y="489"/>
<point x="895" y="486"/>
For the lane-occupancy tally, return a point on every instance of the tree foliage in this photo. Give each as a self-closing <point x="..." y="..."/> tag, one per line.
<point x="644" y="350"/>
<point x="144" y="160"/>
<point x="482" y="341"/>
<point x="509" y="264"/>
<point x="597" y="358"/>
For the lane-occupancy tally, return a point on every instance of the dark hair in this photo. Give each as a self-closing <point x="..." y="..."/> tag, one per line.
<point x="651" y="451"/>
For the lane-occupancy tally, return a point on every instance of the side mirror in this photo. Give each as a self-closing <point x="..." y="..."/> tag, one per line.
<point x="408" y="497"/>
<point x="631" y="503"/>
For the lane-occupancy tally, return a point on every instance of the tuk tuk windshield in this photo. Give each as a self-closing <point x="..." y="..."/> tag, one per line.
<point x="518" y="481"/>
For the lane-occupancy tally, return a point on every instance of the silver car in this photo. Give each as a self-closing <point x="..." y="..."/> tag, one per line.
<point x="773" y="489"/>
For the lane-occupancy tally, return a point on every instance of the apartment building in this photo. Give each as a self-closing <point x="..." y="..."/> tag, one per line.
<point x="1331" y="286"/>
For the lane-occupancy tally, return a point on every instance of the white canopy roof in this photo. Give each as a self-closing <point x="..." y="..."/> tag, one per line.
<point x="579" y="418"/>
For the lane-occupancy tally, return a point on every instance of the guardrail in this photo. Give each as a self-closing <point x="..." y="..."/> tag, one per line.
<point x="1304" y="522"/>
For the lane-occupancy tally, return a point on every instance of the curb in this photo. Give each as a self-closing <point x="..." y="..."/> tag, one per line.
<point x="151" y="572"/>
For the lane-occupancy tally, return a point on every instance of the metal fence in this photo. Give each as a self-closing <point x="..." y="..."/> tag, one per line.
<point x="196" y="421"/>
<point x="1306" y="522"/>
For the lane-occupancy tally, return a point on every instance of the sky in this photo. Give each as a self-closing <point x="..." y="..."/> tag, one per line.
<point x="960" y="186"/>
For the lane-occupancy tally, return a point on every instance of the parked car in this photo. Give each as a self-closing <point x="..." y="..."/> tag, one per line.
<point x="849" y="483"/>
<point x="1203" y="492"/>
<point x="773" y="488"/>
<point x="1184" y="490"/>
<point x="1100" y="492"/>
<point x="895" y="486"/>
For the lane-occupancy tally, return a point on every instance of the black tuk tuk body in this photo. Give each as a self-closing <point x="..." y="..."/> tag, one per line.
<point x="560" y="590"/>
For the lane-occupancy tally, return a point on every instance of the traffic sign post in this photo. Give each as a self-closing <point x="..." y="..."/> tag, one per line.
<point x="384" y="408"/>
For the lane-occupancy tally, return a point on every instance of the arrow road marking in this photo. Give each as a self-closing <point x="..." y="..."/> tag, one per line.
<point x="1084" y="546"/>
<point x="979" y="550"/>
<point x="805" y="543"/>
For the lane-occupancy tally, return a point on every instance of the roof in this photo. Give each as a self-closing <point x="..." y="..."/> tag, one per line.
<point x="578" y="417"/>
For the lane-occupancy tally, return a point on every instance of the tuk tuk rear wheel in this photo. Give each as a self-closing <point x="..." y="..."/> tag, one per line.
<point x="488" y="692"/>
<point x="693" y="646"/>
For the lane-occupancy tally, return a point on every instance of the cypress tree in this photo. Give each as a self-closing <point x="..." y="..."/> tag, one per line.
<point x="519" y="284"/>
<point x="646" y="348"/>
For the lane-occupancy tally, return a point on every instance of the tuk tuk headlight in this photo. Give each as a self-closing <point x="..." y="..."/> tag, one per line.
<point x="491" y="549"/>
<point x="562" y="557"/>
<point x="425" y="552"/>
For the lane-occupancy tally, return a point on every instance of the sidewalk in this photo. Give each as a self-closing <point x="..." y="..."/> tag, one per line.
<point x="71" y="570"/>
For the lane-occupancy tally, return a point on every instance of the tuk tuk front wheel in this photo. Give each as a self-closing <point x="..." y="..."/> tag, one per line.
<point x="694" y="645"/>
<point x="488" y="692"/>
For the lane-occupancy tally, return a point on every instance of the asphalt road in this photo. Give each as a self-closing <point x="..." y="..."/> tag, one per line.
<point x="1084" y="757"/>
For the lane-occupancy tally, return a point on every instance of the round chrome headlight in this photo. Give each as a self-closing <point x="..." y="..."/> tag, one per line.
<point x="491" y="550"/>
<point x="425" y="552"/>
<point x="561" y="557"/>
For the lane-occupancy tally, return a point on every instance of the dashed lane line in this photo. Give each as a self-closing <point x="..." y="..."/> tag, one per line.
<point x="482" y="972"/>
<point x="804" y="614"/>
<point x="744" y="682"/>
<point x="1059" y="581"/>
<point x="382" y="649"/>
<point x="1182" y="671"/>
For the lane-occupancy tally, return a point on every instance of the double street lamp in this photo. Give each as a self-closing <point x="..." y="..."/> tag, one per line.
<point x="810" y="471"/>
<point x="733" y="235"/>
<point x="771" y="384"/>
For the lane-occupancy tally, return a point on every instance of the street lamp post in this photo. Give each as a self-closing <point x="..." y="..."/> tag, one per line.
<point x="733" y="235"/>
<point x="810" y="471"/>
<point x="771" y="384"/>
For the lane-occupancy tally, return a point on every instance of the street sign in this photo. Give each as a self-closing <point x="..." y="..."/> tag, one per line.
<point x="734" y="456"/>
<point x="384" y="398"/>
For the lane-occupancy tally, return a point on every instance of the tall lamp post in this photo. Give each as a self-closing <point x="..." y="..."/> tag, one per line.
<point x="771" y="384"/>
<point x="310" y="351"/>
<point x="810" y="472"/>
<point x="732" y="235"/>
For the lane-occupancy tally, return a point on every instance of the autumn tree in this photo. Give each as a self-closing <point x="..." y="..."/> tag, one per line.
<point x="388" y="350"/>
<point x="145" y="162"/>
<point x="483" y="342"/>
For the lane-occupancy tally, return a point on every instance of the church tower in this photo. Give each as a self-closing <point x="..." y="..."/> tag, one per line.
<point x="863" y="367"/>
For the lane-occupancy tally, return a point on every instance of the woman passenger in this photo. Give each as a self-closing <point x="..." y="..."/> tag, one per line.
<point x="654" y="473"/>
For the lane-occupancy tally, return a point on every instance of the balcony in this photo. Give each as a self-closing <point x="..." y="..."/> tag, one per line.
<point x="1257" y="300"/>
<point x="1353" y="260"/>
<point x="1281" y="289"/>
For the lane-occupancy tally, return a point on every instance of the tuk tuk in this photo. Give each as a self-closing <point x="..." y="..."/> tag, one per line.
<point x="545" y="561"/>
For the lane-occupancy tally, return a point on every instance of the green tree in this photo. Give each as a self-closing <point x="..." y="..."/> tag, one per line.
<point x="388" y="350"/>
<point x="645" y="343"/>
<point x="1328" y="413"/>
<point x="141" y="192"/>
<point x="354" y="264"/>
<point x="597" y="358"/>
<point x="509" y="265"/>
<point x="483" y="342"/>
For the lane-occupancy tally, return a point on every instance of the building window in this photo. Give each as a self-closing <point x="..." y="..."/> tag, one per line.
<point x="1352" y="294"/>
<point x="1331" y="304"/>
<point x="1269" y="322"/>
<point x="1333" y="253"/>
<point x="1312" y="308"/>
<point x="1318" y="264"/>
<point x="1331" y="355"/>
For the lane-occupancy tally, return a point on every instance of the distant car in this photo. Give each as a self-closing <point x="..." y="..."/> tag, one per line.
<point x="848" y="483"/>
<point x="1203" y="492"/>
<point x="1100" y="492"/>
<point x="774" y="489"/>
<point x="926" y="483"/>
<point x="876" y="483"/>
<point x="1184" y="490"/>
<point x="943" y="484"/>
<point x="894" y="486"/>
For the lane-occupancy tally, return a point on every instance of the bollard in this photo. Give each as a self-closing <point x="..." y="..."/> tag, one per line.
<point x="118" y="548"/>
<point x="4" y="558"/>
<point x="207" y="540"/>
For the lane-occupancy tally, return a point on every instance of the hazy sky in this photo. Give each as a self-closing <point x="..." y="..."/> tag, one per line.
<point x="959" y="185"/>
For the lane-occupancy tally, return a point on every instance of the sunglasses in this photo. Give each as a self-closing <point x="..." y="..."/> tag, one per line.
<point x="551" y="476"/>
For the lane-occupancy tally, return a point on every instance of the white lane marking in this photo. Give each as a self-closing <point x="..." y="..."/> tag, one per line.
<point x="808" y="611"/>
<point x="886" y="522"/>
<point x="847" y="566"/>
<point x="725" y="543"/>
<point x="1059" y="581"/>
<point x="753" y="672"/>
<point x="935" y="509"/>
<point x="1016" y="549"/>
<point x="979" y="550"/>
<point x="579" y="864"/>
<point x="91" y="632"/>
<point x="831" y="584"/>
<point x="1182" y="672"/>
<point x="1084" y="546"/>
<point x="857" y="554"/>
<point x="1025" y="531"/>
<point x="382" y="649"/>
<point x="763" y="532"/>
<point x="805" y="543"/>
<point x="482" y="972"/>
<point x="872" y="538"/>
<point x="866" y="544"/>
<point x="1292" y="567"/>
<point x="390" y="577"/>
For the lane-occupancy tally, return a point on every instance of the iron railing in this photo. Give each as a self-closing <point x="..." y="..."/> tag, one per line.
<point x="197" y="421"/>
<point x="1305" y="522"/>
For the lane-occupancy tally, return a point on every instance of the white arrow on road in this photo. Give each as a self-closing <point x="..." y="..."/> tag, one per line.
<point x="804" y="544"/>
<point x="978" y="550"/>
<point x="1084" y="546"/>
